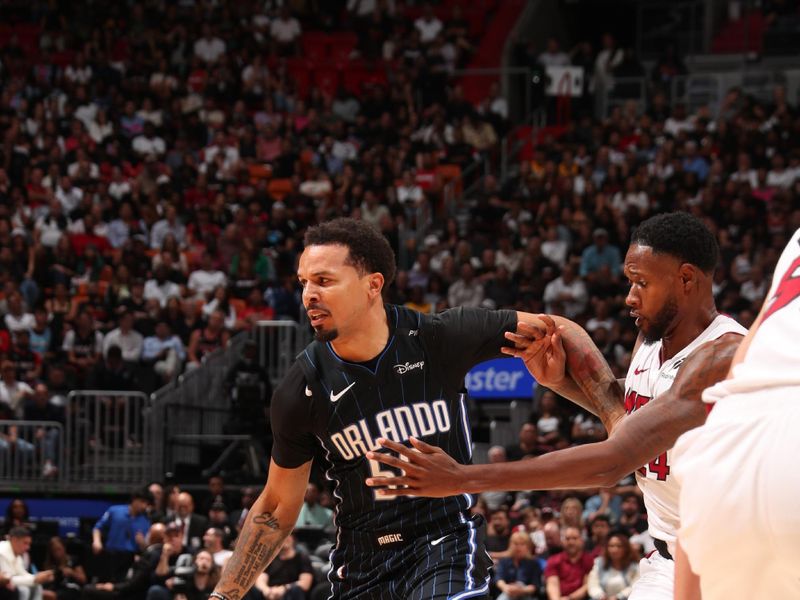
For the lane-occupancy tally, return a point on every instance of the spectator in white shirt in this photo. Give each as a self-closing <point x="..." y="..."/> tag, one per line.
<point x="160" y="288"/>
<point x="119" y="186"/>
<point x="428" y="25"/>
<point x="86" y="110"/>
<point x="148" y="143"/>
<point x="409" y="191"/>
<point x="466" y="290"/>
<point x="12" y="564"/>
<point x="150" y="113"/>
<point x="169" y="224"/>
<point x="221" y="302"/>
<point x="212" y="542"/>
<point x="255" y="77"/>
<point x="372" y="211"/>
<point x="13" y="392"/>
<point x="553" y="55"/>
<point x="17" y="318"/>
<point x="126" y="337"/>
<point x="165" y="351"/>
<point x="209" y="48"/>
<point x="495" y="104"/>
<point x="100" y="128"/>
<point x="779" y="176"/>
<point x="78" y="73"/>
<point x="755" y="288"/>
<point x="608" y="58"/>
<point x="554" y="247"/>
<point x="83" y="169"/>
<point x="285" y="31"/>
<point x="223" y="147"/>
<point x="68" y="195"/>
<point x="566" y="295"/>
<point x="744" y="172"/>
<point x="678" y="122"/>
<point x="364" y="8"/>
<point x="203" y="281"/>
<point x="630" y="198"/>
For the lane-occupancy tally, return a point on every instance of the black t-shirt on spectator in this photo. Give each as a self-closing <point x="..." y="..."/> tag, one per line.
<point x="49" y="412"/>
<point x="282" y="572"/>
<point x="142" y="322"/>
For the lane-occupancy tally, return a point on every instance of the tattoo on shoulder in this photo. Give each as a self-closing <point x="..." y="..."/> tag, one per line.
<point x="266" y="518"/>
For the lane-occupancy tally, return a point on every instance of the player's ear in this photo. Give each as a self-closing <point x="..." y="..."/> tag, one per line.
<point x="375" y="282"/>
<point x="689" y="276"/>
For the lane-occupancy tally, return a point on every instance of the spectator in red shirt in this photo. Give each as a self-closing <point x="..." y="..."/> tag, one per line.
<point x="255" y="310"/>
<point x="566" y="574"/>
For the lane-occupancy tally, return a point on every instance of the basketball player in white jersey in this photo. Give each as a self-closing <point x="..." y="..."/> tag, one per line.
<point x="739" y="523"/>
<point x="684" y="346"/>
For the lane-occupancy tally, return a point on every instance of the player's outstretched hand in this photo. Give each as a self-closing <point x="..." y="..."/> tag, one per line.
<point x="429" y="471"/>
<point x="541" y="351"/>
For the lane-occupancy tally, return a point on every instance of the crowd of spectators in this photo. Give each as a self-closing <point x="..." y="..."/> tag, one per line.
<point x="159" y="166"/>
<point x="163" y="544"/>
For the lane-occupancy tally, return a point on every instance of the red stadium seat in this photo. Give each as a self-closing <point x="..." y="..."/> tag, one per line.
<point x="300" y="75"/>
<point x="327" y="80"/>
<point x="342" y="45"/>
<point x="315" y="48"/>
<point x="279" y="188"/>
<point x="62" y="58"/>
<point x="354" y="78"/>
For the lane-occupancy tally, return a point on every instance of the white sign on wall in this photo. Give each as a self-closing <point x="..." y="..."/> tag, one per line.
<point x="565" y="81"/>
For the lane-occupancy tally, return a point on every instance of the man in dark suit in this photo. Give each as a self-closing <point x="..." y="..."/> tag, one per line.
<point x="192" y="524"/>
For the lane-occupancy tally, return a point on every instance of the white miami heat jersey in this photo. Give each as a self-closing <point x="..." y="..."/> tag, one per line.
<point x="647" y="379"/>
<point x="771" y="359"/>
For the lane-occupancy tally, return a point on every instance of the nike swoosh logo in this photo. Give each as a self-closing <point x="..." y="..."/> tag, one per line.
<point x="438" y="541"/>
<point x="308" y="392"/>
<point x="636" y="371"/>
<point x="335" y="397"/>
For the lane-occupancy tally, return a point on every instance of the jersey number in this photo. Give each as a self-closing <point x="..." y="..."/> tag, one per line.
<point x="658" y="466"/>
<point x="377" y="469"/>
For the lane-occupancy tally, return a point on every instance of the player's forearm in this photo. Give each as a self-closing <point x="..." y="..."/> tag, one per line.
<point x="259" y="542"/>
<point x="587" y="466"/>
<point x="591" y="383"/>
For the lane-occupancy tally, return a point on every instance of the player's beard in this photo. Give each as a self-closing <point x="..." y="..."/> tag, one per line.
<point x="322" y="335"/>
<point x="658" y="325"/>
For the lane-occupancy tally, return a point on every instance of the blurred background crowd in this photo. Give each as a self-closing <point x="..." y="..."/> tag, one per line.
<point x="159" y="165"/>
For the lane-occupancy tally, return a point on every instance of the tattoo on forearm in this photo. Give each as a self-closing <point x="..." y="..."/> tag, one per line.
<point x="266" y="518"/>
<point x="593" y="376"/>
<point x="259" y="541"/>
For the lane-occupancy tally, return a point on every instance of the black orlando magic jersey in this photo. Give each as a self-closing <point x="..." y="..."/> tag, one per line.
<point x="415" y="388"/>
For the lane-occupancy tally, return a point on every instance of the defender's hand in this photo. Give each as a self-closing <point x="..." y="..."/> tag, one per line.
<point x="429" y="471"/>
<point x="542" y="351"/>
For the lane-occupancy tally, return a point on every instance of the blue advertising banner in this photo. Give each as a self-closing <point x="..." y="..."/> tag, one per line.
<point x="500" y="378"/>
<point x="67" y="511"/>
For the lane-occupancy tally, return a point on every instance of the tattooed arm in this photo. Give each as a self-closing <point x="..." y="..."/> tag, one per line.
<point x="638" y="439"/>
<point x="269" y="522"/>
<point x="566" y="360"/>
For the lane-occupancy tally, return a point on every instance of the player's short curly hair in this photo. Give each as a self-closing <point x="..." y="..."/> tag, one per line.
<point x="370" y="251"/>
<point x="681" y="235"/>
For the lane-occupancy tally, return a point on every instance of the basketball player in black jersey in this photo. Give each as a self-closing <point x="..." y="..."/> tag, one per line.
<point x="374" y="371"/>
